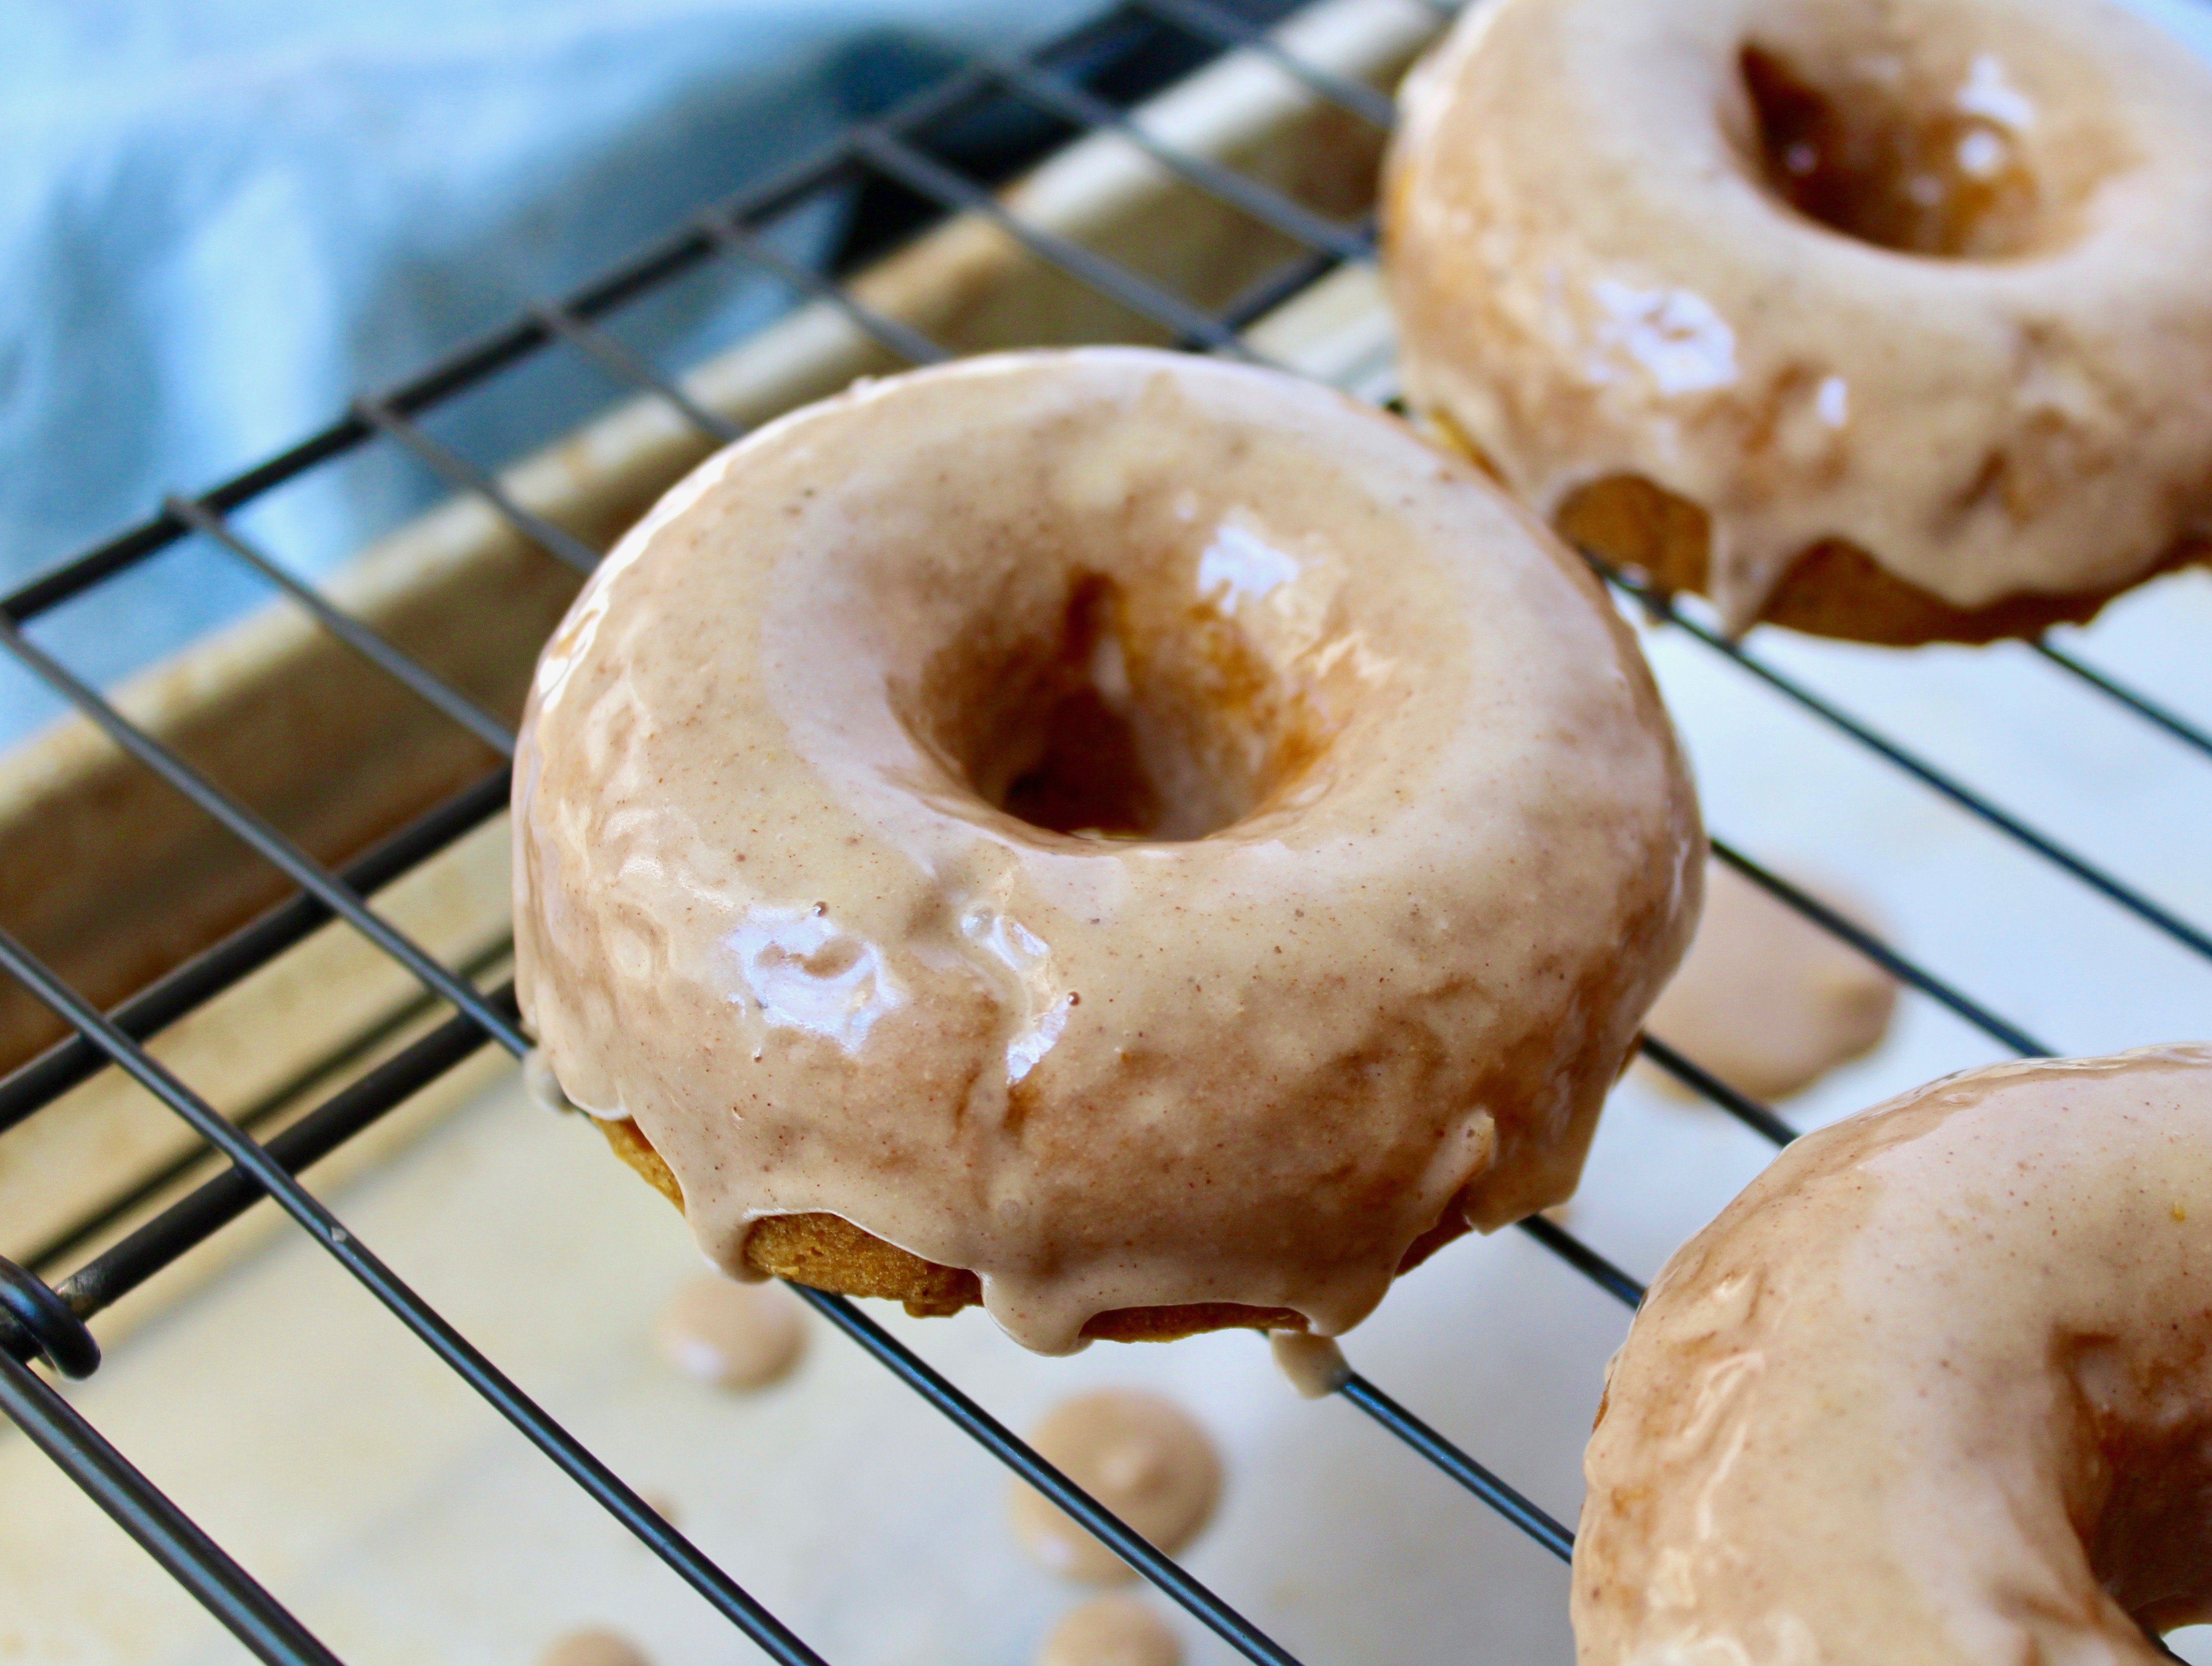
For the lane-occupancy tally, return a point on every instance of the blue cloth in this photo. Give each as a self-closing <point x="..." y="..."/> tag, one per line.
<point x="220" y="219"/>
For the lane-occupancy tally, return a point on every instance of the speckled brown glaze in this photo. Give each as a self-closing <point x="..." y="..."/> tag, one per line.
<point x="1884" y="318"/>
<point x="1935" y="1390"/>
<point x="1376" y="841"/>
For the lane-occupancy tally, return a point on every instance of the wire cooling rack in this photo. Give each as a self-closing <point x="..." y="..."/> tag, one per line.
<point x="901" y="170"/>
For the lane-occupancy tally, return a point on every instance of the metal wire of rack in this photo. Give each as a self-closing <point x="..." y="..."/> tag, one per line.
<point x="42" y="1318"/>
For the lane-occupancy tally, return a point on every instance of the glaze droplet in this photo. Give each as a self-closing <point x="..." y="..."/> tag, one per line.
<point x="729" y="1334"/>
<point x="1315" y="1365"/>
<point x="1140" y="1455"/>
<point x="1111" y="1630"/>
<point x="593" y="1645"/>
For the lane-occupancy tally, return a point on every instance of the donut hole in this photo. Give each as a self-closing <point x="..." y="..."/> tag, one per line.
<point x="1951" y="160"/>
<point x="2143" y="1504"/>
<point x="1111" y="721"/>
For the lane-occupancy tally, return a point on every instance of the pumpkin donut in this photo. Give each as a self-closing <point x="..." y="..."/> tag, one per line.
<point x="1878" y="318"/>
<point x="1935" y="1390"/>
<point x="1139" y="842"/>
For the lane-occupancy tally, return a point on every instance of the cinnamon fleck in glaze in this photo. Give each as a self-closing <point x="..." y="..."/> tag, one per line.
<point x="1922" y="279"/>
<point x="1935" y="1390"/>
<point x="1144" y="830"/>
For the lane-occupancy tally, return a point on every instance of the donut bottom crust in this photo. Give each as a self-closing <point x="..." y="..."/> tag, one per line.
<point x="828" y="1252"/>
<point x="1834" y="588"/>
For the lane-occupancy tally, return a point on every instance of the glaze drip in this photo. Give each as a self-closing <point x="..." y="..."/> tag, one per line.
<point x="1143" y="830"/>
<point x="1931" y="1392"/>
<point x="1922" y="279"/>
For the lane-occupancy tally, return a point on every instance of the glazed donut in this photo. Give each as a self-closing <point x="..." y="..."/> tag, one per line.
<point x="1935" y="1390"/>
<point x="1878" y="318"/>
<point x="1145" y="842"/>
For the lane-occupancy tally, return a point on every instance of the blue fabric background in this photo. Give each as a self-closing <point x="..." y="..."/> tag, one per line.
<point x="220" y="219"/>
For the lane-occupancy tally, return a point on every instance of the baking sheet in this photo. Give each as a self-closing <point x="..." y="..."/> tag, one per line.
<point x="405" y="1523"/>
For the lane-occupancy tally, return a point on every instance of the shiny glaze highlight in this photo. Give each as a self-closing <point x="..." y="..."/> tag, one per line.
<point x="1935" y="1390"/>
<point x="1924" y="277"/>
<point x="1416" y="848"/>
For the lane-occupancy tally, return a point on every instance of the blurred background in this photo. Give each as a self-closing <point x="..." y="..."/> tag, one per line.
<point x="221" y="219"/>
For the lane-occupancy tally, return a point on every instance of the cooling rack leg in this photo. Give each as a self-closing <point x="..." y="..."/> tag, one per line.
<point x="140" y="1508"/>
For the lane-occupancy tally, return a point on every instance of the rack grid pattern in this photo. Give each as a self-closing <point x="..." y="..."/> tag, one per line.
<point x="1055" y="80"/>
